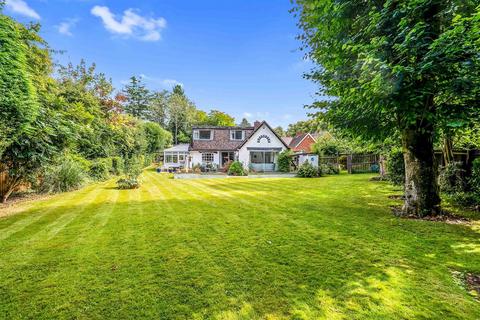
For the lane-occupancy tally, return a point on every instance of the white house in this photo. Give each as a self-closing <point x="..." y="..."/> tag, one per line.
<point x="256" y="147"/>
<point x="259" y="152"/>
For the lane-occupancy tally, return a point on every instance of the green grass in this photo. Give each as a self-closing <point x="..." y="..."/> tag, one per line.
<point x="233" y="249"/>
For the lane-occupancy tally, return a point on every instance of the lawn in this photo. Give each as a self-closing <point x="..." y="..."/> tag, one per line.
<point x="233" y="249"/>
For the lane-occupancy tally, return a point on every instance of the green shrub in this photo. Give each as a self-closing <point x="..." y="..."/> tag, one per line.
<point x="306" y="170"/>
<point x="329" y="168"/>
<point x="148" y="159"/>
<point x="396" y="167"/>
<point x="128" y="184"/>
<point x="133" y="167"/>
<point x="81" y="161"/>
<point x="66" y="175"/>
<point x="464" y="199"/>
<point x="117" y="166"/>
<point x="474" y="180"/>
<point x="451" y="178"/>
<point x="100" y="168"/>
<point x="236" y="169"/>
<point x="284" y="161"/>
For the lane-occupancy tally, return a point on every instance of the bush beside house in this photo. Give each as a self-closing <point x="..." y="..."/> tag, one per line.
<point x="236" y="169"/>
<point x="284" y="161"/>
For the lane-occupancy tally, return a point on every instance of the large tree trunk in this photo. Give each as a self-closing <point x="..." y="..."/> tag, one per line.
<point x="421" y="189"/>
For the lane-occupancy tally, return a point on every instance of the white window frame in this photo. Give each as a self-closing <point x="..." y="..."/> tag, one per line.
<point x="196" y="134"/>
<point x="209" y="154"/>
<point x="232" y="135"/>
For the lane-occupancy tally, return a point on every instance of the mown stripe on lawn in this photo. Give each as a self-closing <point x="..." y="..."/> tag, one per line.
<point x="30" y="217"/>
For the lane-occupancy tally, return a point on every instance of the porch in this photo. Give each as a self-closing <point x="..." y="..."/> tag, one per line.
<point x="263" y="160"/>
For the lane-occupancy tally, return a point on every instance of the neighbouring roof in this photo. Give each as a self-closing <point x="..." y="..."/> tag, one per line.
<point x="297" y="139"/>
<point x="182" y="147"/>
<point x="287" y="140"/>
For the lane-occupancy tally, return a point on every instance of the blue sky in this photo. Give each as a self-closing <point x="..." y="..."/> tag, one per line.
<point x="238" y="56"/>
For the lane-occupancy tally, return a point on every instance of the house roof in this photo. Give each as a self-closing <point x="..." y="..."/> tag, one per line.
<point x="299" y="138"/>
<point x="182" y="147"/>
<point x="222" y="128"/>
<point x="287" y="140"/>
<point x="221" y="139"/>
<point x="258" y="127"/>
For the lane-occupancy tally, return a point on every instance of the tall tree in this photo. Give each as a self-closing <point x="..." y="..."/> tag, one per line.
<point x="43" y="133"/>
<point x="244" y="123"/>
<point x="219" y="118"/>
<point x="18" y="99"/>
<point x="387" y="65"/>
<point x="306" y="126"/>
<point x="157" y="138"/>
<point x="279" y="130"/>
<point x="181" y="115"/>
<point x="159" y="108"/>
<point x="138" y="98"/>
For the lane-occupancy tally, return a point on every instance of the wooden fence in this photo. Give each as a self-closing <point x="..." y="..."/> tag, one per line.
<point x="353" y="163"/>
<point x="3" y="182"/>
<point x="362" y="163"/>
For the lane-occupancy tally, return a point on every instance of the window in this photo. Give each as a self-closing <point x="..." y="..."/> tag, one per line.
<point x="207" y="157"/>
<point x="202" y="134"/>
<point x="171" y="158"/>
<point x="236" y="135"/>
<point x="181" y="157"/>
<point x="261" y="157"/>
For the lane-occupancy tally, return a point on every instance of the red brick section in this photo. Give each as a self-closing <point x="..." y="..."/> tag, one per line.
<point x="305" y="145"/>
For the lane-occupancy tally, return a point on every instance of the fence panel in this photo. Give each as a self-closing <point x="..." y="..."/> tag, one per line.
<point x="362" y="163"/>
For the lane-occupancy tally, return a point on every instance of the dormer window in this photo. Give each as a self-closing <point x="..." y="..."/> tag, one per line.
<point x="237" y="135"/>
<point x="202" y="134"/>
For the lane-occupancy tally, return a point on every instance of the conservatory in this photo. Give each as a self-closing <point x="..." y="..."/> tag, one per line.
<point x="176" y="156"/>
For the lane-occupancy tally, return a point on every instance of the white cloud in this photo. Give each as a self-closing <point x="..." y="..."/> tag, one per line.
<point x="131" y="24"/>
<point x="164" y="83"/>
<point x="66" y="26"/>
<point x="22" y="8"/>
<point x="261" y="115"/>
<point x="170" y="83"/>
<point x="247" y="115"/>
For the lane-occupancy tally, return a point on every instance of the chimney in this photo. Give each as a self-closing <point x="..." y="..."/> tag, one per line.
<point x="256" y="124"/>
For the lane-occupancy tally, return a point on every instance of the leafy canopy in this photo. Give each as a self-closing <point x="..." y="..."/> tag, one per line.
<point x="391" y="65"/>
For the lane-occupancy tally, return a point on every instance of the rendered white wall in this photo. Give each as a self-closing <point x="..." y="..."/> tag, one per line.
<point x="312" y="158"/>
<point x="244" y="153"/>
<point x="197" y="157"/>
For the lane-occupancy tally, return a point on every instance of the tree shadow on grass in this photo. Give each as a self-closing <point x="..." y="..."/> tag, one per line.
<point x="185" y="258"/>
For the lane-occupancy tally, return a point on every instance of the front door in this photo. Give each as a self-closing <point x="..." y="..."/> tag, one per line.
<point x="226" y="156"/>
